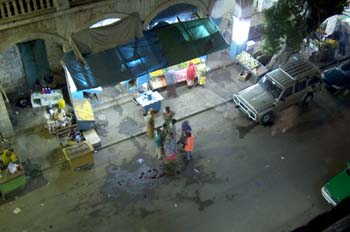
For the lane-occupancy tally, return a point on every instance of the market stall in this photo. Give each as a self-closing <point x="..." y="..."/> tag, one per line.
<point x="250" y="64"/>
<point x="46" y="97"/>
<point x="11" y="172"/>
<point x="84" y="113"/>
<point x="158" y="81"/>
<point x="150" y="100"/>
<point x="79" y="155"/>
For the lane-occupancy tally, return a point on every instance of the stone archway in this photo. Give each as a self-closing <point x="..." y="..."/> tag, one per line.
<point x="197" y="3"/>
<point x="13" y="79"/>
<point x="99" y="18"/>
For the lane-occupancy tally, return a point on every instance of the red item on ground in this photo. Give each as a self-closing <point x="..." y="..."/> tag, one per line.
<point x="170" y="157"/>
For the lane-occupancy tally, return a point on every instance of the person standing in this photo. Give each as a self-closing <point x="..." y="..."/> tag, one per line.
<point x="172" y="128"/>
<point x="343" y="41"/>
<point x="189" y="145"/>
<point x="150" y="124"/>
<point x="170" y="155"/>
<point x="190" y="74"/>
<point x="158" y="141"/>
<point x="163" y="135"/>
<point x="170" y="147"/>
<point x="168" y="116"/>
<point x="185" y="128"/>
<point x="170" y="83"/>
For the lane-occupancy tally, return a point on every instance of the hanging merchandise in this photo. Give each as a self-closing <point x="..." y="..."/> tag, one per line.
<point x="158" y="80"/>
<point x="202" y="71"/>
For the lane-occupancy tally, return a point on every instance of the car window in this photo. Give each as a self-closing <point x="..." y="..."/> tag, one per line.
<point x="287" y="93"/>
<point x="300" y="85"/>
<point x="270" y="86"/>
<point x="313" y="81"/>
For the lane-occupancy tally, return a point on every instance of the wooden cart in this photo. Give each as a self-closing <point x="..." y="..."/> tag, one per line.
<point x="10" y="182"/>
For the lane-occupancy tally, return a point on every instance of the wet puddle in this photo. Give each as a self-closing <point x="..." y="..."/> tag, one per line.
<point x="244" y="130"/>
<point x="201" y="204"/>
<point x="118" y="109"/>
<point x="138" y="180"/>
<point x="128" y="126"/>
<point x="101" y="131"/>
<point x="133" y="183"/>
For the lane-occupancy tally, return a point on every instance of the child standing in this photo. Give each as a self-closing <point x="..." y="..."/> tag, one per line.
<point x="189" y="145"/>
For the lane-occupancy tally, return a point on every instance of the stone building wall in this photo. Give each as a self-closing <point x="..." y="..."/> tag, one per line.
<point x="6" y="129"/>
<point x="12" y="76"/>
<point x="54" y="55"/>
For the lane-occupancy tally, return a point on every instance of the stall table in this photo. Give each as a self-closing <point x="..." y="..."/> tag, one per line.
<point x="250" y="64"/>
<point x="39" y="99"/>
<point x="84" y="114"/>
<point x="92" y="137"/>
<point x="79" y="155"/>
<point x="150" y="100"/>
<point x="10" y="182"/>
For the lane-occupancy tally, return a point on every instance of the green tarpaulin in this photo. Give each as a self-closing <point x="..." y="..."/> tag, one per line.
<point x="187" y="40"/>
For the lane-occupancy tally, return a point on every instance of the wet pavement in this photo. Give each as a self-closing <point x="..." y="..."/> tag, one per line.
<point x="135" y="184"/>
<point x="239" y="182"/>
<point x="243" y="176"/>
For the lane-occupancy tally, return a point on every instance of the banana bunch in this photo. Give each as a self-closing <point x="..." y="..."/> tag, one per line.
<point x="84" y="111"/>
<point x="247" y="60"/>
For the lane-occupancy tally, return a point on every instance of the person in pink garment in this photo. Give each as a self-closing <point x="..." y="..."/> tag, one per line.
<point x="191" y="74"/>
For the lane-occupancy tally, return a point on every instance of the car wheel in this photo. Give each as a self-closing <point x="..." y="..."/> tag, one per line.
<point x="330" y="89"/>
<point x="308" y="98"/>
<point x="266" y="118"/>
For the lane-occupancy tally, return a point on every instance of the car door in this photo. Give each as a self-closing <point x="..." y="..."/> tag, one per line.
<point x="300" y="90"/>
<point x="345" y="71"/>
<point x="285" y="98"/>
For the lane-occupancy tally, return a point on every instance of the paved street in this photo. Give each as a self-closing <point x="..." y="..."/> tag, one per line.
<point x="244" y="177"/>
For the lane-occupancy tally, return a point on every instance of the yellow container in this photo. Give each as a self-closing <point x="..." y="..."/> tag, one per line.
<point x="157" y="73"/>
<point x="61" y="103"/>
<point x="79" y="155"/>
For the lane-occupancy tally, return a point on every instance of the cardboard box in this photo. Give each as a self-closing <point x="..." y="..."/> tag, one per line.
<point x="92" y="137"/>
<point x="79" y="155"/>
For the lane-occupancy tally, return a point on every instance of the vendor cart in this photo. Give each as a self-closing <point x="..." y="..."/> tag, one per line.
<point x="12" y="175"/>
<point x="250" y="64"/>
<point x="150" y="100"/>
<point x="10" y="182"/>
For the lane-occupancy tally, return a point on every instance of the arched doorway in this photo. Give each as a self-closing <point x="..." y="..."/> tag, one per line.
<point x="170" y="8"/>
<point x="173" y="14"/>
<point x="105" y="22"/>
<point x="29" y="66"/>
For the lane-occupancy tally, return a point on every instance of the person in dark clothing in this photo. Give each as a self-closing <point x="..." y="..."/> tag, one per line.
<point x="343" y="41"/>
<point x="185" y="129"/>
<point x="163" y="134"/>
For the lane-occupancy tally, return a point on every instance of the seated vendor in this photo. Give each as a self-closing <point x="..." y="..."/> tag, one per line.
<point x="60" y="117"/>
<point x="133" y="89"/>
<point x="7" y="156"/>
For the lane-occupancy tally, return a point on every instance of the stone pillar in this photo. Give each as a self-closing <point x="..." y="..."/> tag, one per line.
<point x="54" y="53"/>
<point x="6" y="128"/>
<point x="242" y="15"/>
